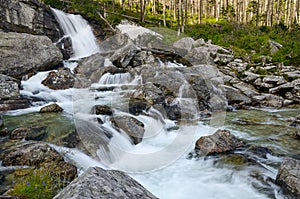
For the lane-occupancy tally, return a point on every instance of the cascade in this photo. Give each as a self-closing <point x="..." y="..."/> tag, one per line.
<point x="74" y="26"/>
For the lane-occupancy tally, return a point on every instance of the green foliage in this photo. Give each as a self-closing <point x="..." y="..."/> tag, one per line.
<point x="248" y="41"/>
<point x="55" y="3"/>
<point x="36" y="184"/>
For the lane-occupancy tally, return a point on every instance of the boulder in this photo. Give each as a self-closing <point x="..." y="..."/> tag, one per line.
<point x="92" y="68"/>
<point x="151" y="93"/>
<point x="172" y="108"/>
<point x="288" y="177"/>
<point x="122" y="57"/>
<point x="267" y="100"/>
<point x="131" y="126"/>
<point x="274" y="46"/>
<point x="19" y="133"/>
<point x="10" y="94"/>
<point x="283" y="88"/>
<point x="138" y="104"/>
<point x="183" y="46"/>
<point x="51" y="108"/>
<point x="29" y="16"/>
<point x="247" y="89"/>
<point x="250" y="77"/>
<point x="221" y="141"/>
<point x="60" y="79"/>
<point x="9" y="87"/>
<point x="39" y="155"/>
<point x="102" y="109"/>
<point x="99" y="183"/>
<point x="199" y="55"/>
<point x="29" y="133"/>
<point x="21" y="54"/>
<point x="143" y="57"/>
<point x="275" y="80"/>
<point x="235" y="97"/>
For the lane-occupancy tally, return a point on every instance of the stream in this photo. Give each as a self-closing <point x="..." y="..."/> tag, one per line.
<point x="163" y="162"/>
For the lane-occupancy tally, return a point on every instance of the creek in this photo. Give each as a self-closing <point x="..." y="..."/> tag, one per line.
<point x="163" y="162"/>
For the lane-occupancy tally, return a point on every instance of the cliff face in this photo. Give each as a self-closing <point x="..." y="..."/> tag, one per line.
<point x="29" y="16"/>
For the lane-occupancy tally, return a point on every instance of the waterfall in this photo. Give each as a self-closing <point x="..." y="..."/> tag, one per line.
<point x="74" y="26"/>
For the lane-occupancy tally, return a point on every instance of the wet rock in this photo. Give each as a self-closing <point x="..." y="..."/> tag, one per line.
<point x="19" y="133"/>
<point x="10" y="98"/>
<point x="123" y="56"/>
<point x="172" y="109"/>
<point x="29" y="16"/>
<point x="267" y="100"/>
<point x="71" y="140"/>
<point x="288" y="176"/>
<point x="151" y="93"/>
<point x="92" y="68"/>
<point x="235" y="97"/>
<point x="59" y="80"/>
<point x="39" y="155"/>
<point x="247" y="89"/>
<point x="131" y="126"/>
<point x="65" y="46"/>
<point x="296" y="122"/>
<point x="221" y="141"/>
<point x="143" y="57"/>
<point x="100" y="183"/>
<point x="37" y="133"/>
<point x="234" y="160"/>
<point x="9" y="87"/>
<point x="297" y="135"/>
<point x="21" y="54"/>
<point x="1" y="121"/>
<point x="258" y="151"/>
<point x="4" y="132"/>
<point x="102" y="110"/>
<point x="138" y="104"/>
<point x="51" y="108"/>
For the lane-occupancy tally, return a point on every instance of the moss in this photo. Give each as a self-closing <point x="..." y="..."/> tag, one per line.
<point x="34" y="184"/>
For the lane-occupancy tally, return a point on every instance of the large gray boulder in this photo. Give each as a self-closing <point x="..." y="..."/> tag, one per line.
<point x="221" y="141"/>
<point x="39" y="155"/>
<point x="289" y="177"/>
<point x="29" y="16"/>
<point x="10" y="95"/>
<point x="100" y="183"/>
<point x="22" y="53"/>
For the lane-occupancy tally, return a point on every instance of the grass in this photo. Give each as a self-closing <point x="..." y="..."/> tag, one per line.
<point x="36" y="184"/>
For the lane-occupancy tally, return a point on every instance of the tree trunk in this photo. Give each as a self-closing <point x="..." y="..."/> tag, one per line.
<point x="164" y="13"/>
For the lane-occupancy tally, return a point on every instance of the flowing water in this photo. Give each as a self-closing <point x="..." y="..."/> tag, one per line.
<point x="162" y="162"/>
<point x="74" y="26"/>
